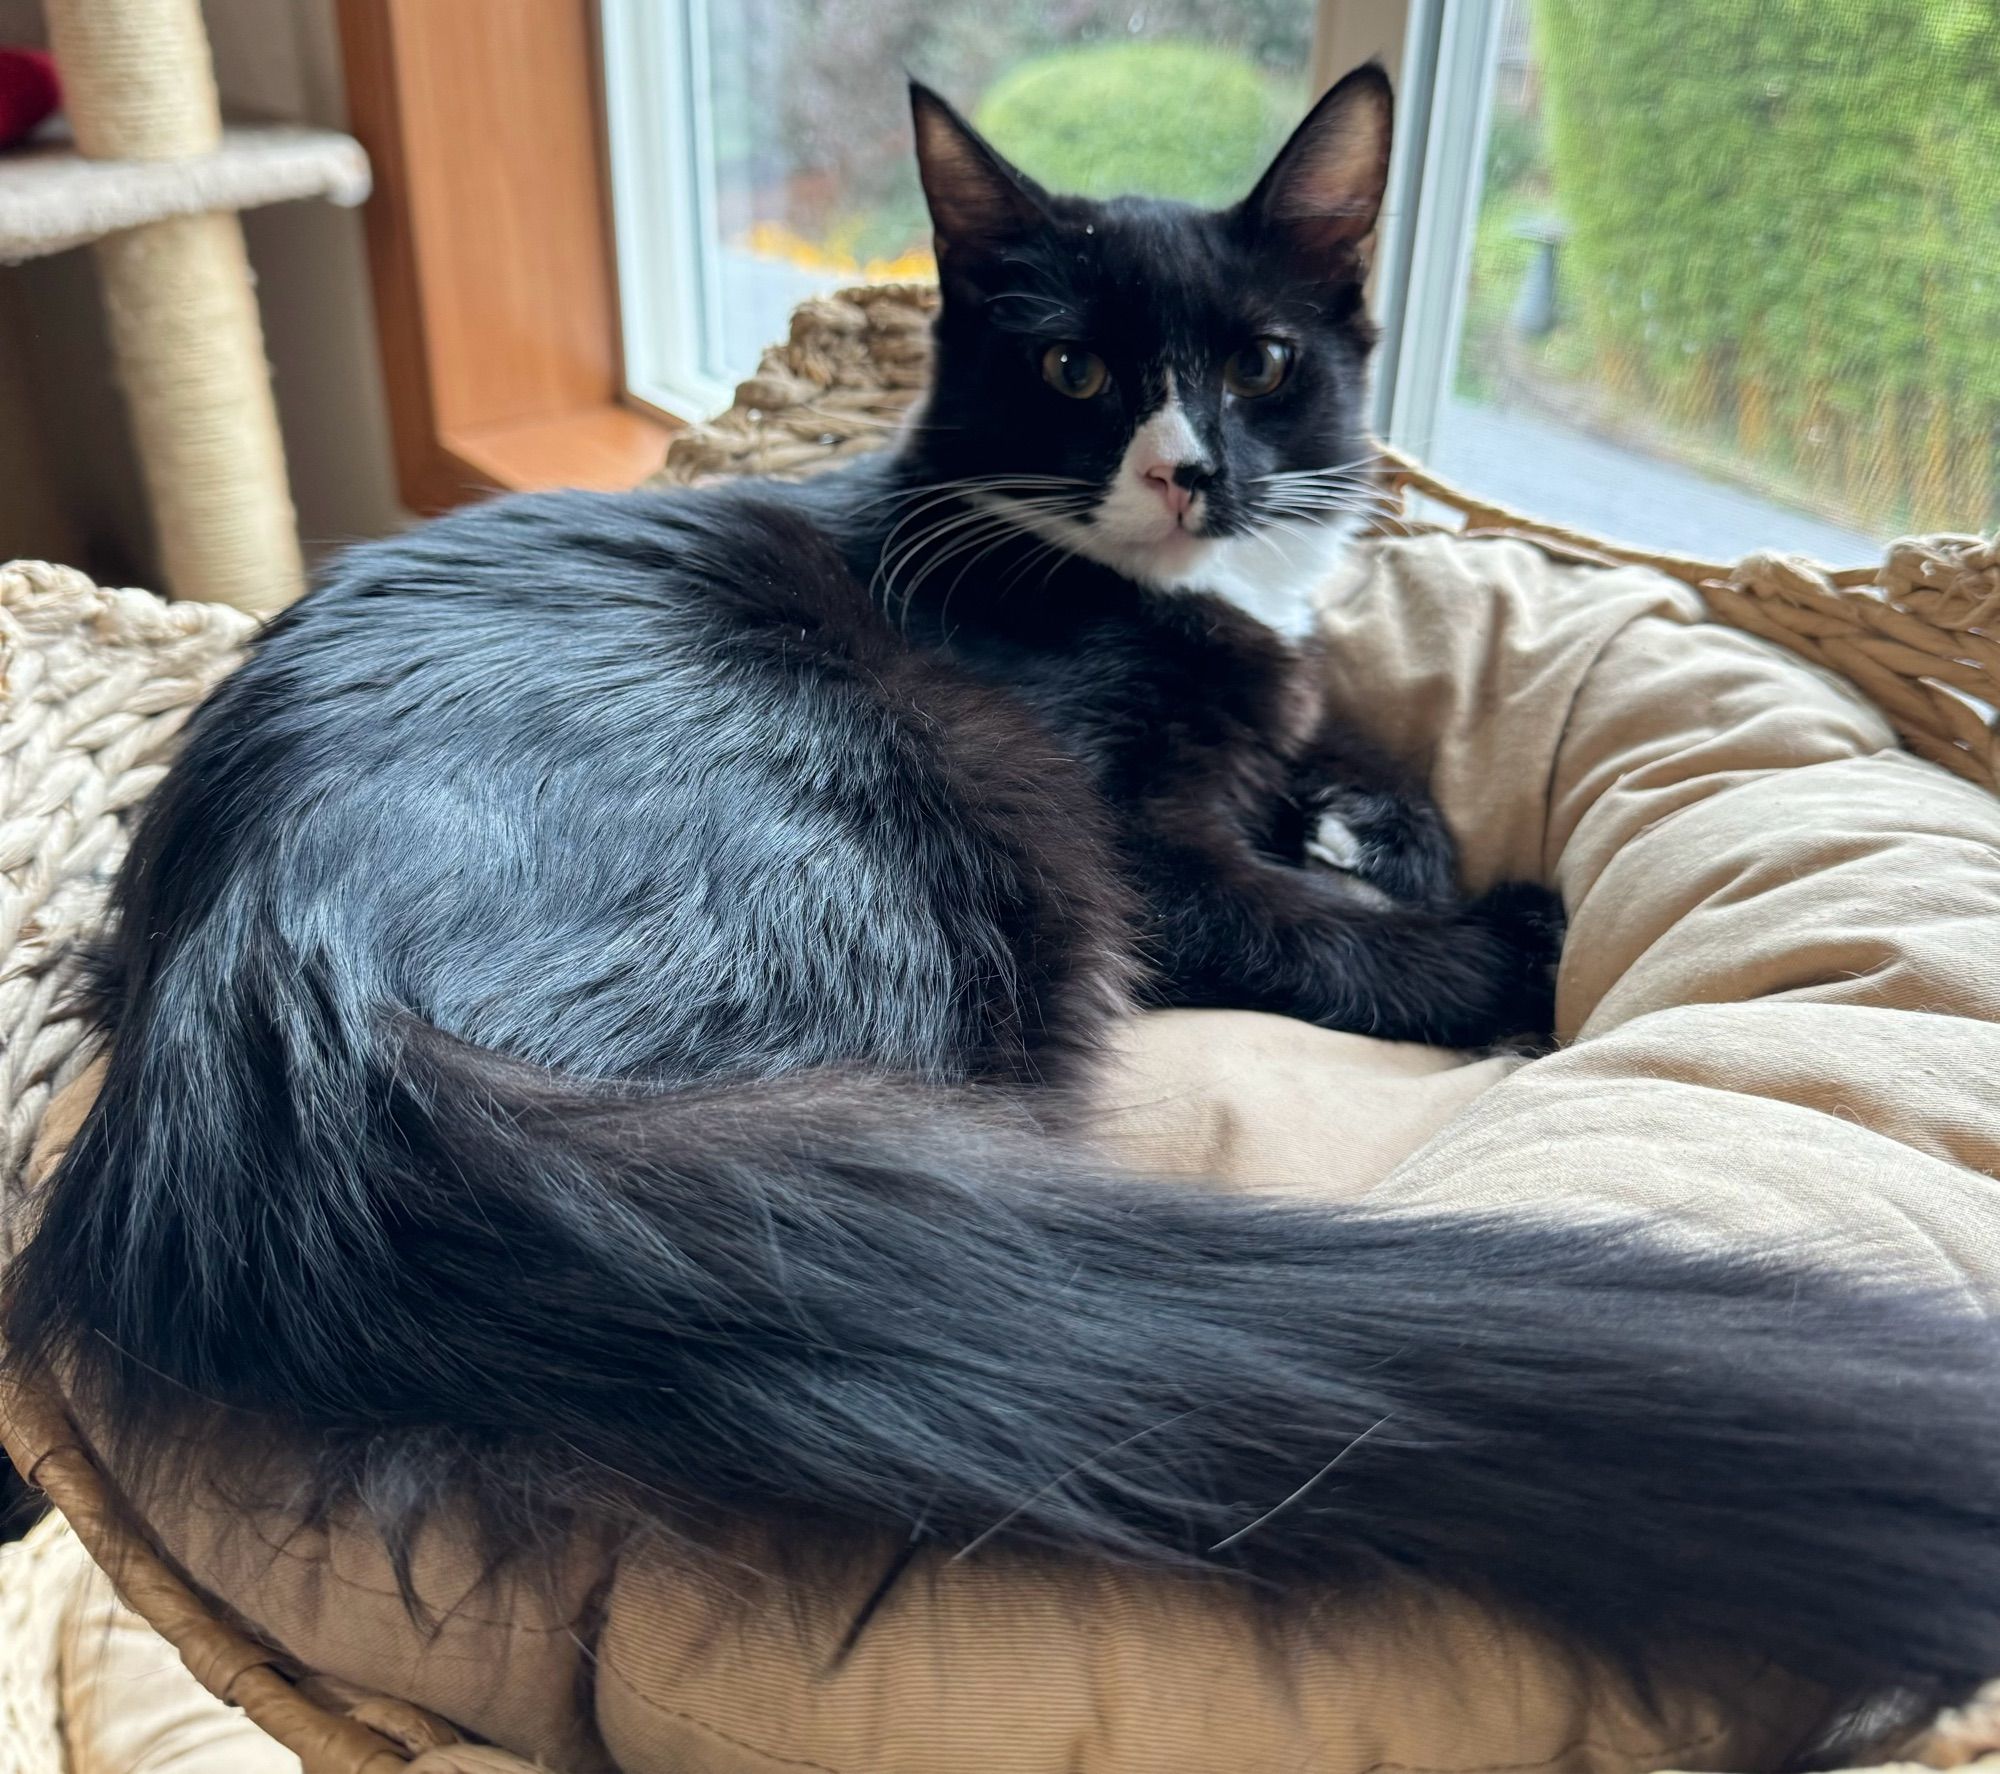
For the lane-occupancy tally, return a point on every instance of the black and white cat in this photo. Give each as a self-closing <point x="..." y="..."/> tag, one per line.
<point x="596" y="1006"/>
<point x="1140" y="465"/>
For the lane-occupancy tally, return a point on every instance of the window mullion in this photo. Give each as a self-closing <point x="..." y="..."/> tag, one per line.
<point x="1435" y="203"/>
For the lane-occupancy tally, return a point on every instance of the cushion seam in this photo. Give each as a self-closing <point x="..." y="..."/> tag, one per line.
<point x="777" y="1759"/>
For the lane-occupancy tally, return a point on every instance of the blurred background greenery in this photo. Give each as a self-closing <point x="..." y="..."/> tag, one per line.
<point x="1782" y="243"/>
<point x="1176" y="98"/>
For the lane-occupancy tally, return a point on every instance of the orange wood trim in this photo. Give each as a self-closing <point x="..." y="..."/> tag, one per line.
<point x="601" y="447"/>
<point x="489" y="241"/>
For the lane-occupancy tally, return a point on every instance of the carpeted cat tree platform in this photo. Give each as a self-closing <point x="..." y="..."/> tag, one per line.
<point x="1781" y="1014"/>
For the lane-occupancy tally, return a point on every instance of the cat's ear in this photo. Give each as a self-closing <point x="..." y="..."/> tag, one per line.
<point x="1322" y="195"/>
<point x="978" y="202"/>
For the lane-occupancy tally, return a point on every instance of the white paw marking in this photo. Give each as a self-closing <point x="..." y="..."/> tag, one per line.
<point x="1333" y="842"/>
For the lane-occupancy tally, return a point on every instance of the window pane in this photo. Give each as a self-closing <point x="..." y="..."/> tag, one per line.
<point x="1735" y="274"/>
<point x="808" y="139"/>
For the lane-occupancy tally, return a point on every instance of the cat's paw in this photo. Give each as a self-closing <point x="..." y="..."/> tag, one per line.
<point x="1529" y="921"/>
<point x="1332" y="841"/>
<point x="1391" y="843"/>
<point x="1334" y="846"/>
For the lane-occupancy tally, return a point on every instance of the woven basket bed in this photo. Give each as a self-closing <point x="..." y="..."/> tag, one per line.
<point x="95" y="684"/>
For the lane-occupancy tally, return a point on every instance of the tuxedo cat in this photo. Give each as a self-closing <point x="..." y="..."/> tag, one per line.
<point x="597" y="1005"/>
<point x="1144" y="451"/>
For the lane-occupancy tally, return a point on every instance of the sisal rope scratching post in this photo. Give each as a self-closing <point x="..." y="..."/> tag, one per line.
<point x="184" y="324"/>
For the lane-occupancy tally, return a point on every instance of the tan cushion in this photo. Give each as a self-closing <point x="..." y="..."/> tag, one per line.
<point x="1780" y="984"/>
<point x="1782" y="977"/>
<point x="984" y="1669"/>
<point x="1262" y="1102"/>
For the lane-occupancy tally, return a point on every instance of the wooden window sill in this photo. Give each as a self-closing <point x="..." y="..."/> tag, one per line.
<point x="604" y="449"/>
<point x="489" y="244"/>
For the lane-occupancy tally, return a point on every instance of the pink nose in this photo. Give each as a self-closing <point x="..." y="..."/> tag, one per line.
<point x="1160" y="477"/>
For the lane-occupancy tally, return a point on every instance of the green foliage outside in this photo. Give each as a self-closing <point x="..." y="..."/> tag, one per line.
<point x="809" y="106"/>
<point x="1500" y="260"/>
<point x="1172" y="119"/>
<point x="1785" y="223"/>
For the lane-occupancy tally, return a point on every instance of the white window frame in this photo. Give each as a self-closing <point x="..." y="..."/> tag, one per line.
<point x="1440" y="52"/>
<point x="662" y="178"/>
<point x="1436" y="179"/>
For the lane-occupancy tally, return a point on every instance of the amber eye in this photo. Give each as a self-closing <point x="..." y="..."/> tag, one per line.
<point x="1070" y="369"/>
<point x="1258" y="368"/>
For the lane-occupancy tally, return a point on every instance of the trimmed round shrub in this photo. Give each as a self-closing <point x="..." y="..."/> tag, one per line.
<point x="1168" y="119"/>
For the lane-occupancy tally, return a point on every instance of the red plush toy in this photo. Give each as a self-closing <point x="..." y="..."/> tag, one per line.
<point x="29" y="91"/>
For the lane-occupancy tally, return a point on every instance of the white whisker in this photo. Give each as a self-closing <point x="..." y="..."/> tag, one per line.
<point x="972" y="483"/>
<point x="1277" y="1509"/>
<point x="971" y="533"/>
<point x="1373" y="459"/>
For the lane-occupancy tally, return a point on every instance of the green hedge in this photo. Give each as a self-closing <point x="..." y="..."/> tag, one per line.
<point x="1170" y="119"/>
<point x="1786" y="228"/>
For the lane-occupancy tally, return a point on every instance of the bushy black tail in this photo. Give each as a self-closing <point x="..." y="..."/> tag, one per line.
<point x="888" y="1307"/>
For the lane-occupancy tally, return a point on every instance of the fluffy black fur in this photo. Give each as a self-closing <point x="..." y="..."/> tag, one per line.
<point x="594" y="1003"/>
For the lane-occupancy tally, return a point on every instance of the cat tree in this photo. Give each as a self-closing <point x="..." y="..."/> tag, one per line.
<point x="154" y="183"/>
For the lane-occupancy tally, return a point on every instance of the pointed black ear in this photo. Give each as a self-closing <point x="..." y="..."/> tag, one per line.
<point x="978" y="202"/>
<point x="1323" y="192"/>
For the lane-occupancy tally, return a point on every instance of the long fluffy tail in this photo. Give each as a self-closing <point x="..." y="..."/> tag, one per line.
<point x="890" y="1307"/>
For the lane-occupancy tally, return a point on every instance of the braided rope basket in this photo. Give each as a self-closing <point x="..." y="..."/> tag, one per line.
<point x="94" y="685"/>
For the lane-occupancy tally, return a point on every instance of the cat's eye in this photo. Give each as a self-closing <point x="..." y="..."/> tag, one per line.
<point x="1258" y="368"/>
<point x="1070" y="369"/>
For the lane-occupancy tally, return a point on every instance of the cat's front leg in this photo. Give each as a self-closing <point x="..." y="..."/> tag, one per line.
<point x="1234" y="929"/>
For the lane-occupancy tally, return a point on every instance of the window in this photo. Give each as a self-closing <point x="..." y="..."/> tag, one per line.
<point x="760" y="148"/>
<point x="1704" y="275"/>
<point x="1713" y="275"/>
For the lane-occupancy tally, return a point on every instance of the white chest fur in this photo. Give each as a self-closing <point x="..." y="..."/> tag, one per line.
<point x="1281" y="577"/>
